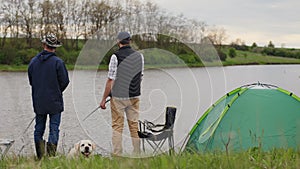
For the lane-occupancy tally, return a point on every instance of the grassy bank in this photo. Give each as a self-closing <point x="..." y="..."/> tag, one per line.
<point x="241" y="58"/>
<point x="250" y="58"/>
<point x="13" y="68"/>
<point x="23" y="68"/>
<point x="272" y="159"/>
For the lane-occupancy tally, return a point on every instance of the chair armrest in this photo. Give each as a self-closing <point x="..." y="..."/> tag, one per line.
<point x="150" y="126"/>
<point x="154" y="127"/>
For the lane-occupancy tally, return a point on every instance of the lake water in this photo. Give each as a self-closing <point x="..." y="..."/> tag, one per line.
<point x="191" y="90"/>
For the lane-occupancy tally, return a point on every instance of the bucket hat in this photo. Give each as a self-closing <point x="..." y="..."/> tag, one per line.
<point x="51" y="40"/>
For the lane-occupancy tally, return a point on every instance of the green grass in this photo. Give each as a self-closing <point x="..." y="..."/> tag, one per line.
<point x="13" y="68"/>
<point x="81" y="67"/>
<point x="255" y="159"/>
<point x="242" y="58"/>
<point x="23" y="68"/>
<point x="250" y="58"/>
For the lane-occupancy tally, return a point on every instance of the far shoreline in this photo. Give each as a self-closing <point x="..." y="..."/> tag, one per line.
<point x="23" y="68"/>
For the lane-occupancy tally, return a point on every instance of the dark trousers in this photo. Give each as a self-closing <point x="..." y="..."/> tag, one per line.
<point x="40" y="125"/>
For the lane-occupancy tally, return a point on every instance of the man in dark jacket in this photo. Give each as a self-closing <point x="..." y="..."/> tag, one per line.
<point x="48" y="78"/>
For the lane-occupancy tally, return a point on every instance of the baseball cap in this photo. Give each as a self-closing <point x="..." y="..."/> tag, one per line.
<point x="123" y="35"/>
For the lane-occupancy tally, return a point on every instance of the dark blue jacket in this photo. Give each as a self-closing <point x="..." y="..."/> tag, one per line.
<point x="48" y="78"/>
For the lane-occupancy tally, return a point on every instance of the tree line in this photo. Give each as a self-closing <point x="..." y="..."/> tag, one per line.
<point x="268" y="49"/>
<point x="74" y="20"/>
<point x="24" y="22"/>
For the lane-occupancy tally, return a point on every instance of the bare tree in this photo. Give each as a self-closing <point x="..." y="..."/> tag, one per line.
<point x="14" y="10"/>
<point x="28" y="20"/>
<point x="217" y="36"/>
<point x="9" y="19"/>
<point x="45" y="19"/>
<point x="77" y="20"/>
<point x="197" y="30"/>
<point x="132" y="16"/>
<point x="52" y="18"/>
<point x="101" y="14"/>
<point x="151" y="13"/>
<point x="58" y="18"/>
<point x="238" y="42"/>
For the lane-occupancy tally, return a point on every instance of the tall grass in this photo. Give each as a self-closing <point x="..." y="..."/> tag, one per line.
<point x="253" y="159"/>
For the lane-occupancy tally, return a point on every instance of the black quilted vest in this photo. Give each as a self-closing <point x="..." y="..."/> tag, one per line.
<point x="129" y="73"/>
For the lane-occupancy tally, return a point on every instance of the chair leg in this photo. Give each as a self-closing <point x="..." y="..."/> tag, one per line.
<point x="171" y="145"/>
<point x="157" y="147"/>
<point x="143" y="144"/>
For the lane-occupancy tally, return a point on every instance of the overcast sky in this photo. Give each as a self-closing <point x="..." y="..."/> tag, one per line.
<point x="257" y="21"/>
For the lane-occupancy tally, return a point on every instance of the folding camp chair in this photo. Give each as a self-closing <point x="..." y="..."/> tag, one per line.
<point x="6" y="143"/>
<point x="157" y="134"/>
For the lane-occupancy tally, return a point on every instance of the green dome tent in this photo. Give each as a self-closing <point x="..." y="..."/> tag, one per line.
<point x="252" y="116"/>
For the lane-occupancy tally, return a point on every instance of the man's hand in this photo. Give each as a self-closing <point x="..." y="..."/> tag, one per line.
<point x="106" y="93"/>
<point x="102" y="104"/>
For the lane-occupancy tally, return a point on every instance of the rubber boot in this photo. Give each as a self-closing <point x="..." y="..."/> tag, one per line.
<point x="51" y="149"/>
<point x="40" y="149"/>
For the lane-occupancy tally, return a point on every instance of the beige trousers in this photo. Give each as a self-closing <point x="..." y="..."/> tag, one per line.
<point x="131" y="108"/>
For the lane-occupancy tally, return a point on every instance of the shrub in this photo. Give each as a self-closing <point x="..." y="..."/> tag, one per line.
<point x="222" y="55"/>
<point x="8" y="55"/>
<point x="232" y="53"/>
<point x="25" y="55"/>
<point x="188" y="58"/>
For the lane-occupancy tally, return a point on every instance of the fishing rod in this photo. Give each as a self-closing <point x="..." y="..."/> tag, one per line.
<point x="28" y="126"/>
<point x="83" y="119"/>
<point x="94" y="110"/>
